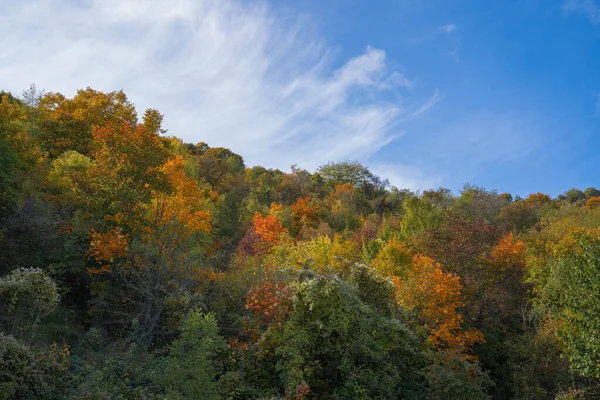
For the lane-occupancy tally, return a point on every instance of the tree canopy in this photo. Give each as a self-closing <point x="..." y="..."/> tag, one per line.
<point x="134" y="265"/>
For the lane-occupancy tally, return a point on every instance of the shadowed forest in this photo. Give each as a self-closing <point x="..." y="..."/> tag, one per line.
<point x="136" y="266"/>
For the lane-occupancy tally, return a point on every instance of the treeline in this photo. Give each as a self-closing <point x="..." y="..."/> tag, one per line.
<point x="136" y="266"/>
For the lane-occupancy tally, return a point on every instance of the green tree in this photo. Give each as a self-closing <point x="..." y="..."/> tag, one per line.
<point x="451" y="376"/>
<point x="574" y="195"/>
<point x="188" y="371"/>
<point x="573" y="291"/>
<point x="336" y="346"/>
<point x="356" y="174"/>
<point x="419" y="215"/>
<point x="591" y="192"/>
<point x="27" y="295"/>
<point x="27" y="375"/>
<point x="9" y="191"/>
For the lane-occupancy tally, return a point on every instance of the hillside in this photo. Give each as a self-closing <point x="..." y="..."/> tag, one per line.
<point x="136" y="266"/>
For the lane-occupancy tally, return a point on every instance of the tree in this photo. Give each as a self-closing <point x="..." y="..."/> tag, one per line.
<point x="574" y="195"/>
<point x="345" y="203"/>
<point x="32" y="96"/>
<point x="593" y="202"/>
<point x="354" y="173"/>
<point x="538" y="198"/>
<point x="125" y="169"/>
<point x="27" y="295"/>
<point x="393" y="259"/>
<point x="270" y="304"/>
<point x="9" y="191"/>
<point x="519" y="216"/>
<point x="507" y="197"/>
<point x="436" y="296"/>
<point x="304" y="213"/>
<point x="573" y="293"/>
<point x="67" y="124"/>
<point x="335" y="346"/>
<point x="459" y="244"/>
<point x="419" y="215"/>
<point x="13" y="130"/>
<point x="269" y="231"/>
<point x="506" y="290"/>
<point x="188" y="370"/>
<point x="591" y="192"/>
<point x="26" y="374"/>
<point x="451" y="376"/>
<point x="477" y="203"/>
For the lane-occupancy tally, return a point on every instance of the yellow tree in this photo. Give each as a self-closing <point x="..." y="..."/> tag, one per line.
<point x="13" y="130"/>
<point x="67" y="123"/>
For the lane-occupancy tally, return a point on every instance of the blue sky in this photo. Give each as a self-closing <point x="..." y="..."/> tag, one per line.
<point x="427" y="93"/>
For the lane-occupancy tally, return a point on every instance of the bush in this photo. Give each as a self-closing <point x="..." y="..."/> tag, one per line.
<point x="26" y="295"/>
<point x="26" y="375"/>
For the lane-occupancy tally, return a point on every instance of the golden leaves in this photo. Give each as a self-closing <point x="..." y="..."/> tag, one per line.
<point x="508" y="253"/>
<point x="109" y="245"/>
<point x="593" y="202"/>
<point x="303" y="212"/>
<point x="436" y="295"/>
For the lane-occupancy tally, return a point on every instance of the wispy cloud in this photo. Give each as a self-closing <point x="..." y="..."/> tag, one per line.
<point x="462" y="148"/>
<point x="587" y="7"/>
<point x="448" y="28"/>
<point x="405" y="176"/>
<point x="454" y="39"/>
<point x="229" y="73"/>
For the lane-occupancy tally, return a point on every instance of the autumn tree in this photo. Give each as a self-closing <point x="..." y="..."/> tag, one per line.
<point x="507" y="291"/>
<point x="436" y="296"/>
<point x="304" y="213"/>
<point x="593" y="202"/>
<point x="67" y="123"/>
<point x="539" y="198"/>
<point x="269" y="232"/>
<point x="124" y="170"/>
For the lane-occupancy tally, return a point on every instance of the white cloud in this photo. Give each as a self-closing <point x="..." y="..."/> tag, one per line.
<point x="448" y="28"/>
<point x="229" y="73"/>
<point x="405" y="176"/>
<point x="587" y="7"/>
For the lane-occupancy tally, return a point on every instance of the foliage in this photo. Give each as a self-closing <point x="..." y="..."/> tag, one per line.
<point x="336" y="346"/>
<point x="188" y="372"/>
<point x="27" y="375"/>
<point x="575" y="299"/>
<point x="419" y="215"/>
<point x="593" y="202"/>
<point x="354" y="173"/>
<point x="27" y="295"/>
<point x="136" y="266"/>
<point x="8" y="177"/>
<point x="451" y="376"/>
<point x="436" y="296"/>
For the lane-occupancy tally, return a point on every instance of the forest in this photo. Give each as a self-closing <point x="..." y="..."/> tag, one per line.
<point x="136" y="266"/>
